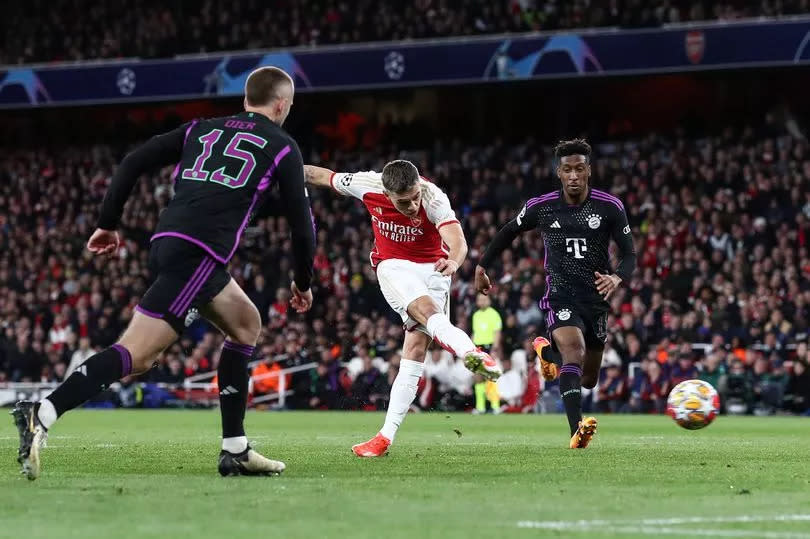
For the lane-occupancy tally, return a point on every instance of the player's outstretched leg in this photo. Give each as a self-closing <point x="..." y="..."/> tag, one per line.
<point x="459" y="344"/>
<point x="132" y="354"/>
<point x="438" y="326"/>
<point x="237" y="317"/>
<point x="403" y="392"/>
<point x="548" y="365"/>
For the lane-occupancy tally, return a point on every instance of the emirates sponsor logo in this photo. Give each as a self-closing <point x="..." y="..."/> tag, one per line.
<point x="397" y="232"/>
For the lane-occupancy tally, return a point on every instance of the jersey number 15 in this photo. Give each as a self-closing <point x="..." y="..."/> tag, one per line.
<point x="198" y="172"/>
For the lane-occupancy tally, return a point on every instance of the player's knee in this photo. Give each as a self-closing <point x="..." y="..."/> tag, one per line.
<point x="422" y="309"/>
<point x="142" y="364"/>
<point x="249" y="328"/>
<point x="142" y="352"/>
<point x="588" y="381"/>
<point x="142" y="357"/>
<point x="414" y="351"/>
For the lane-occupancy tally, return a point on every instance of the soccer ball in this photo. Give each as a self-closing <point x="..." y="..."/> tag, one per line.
<point x="693" y="404"/>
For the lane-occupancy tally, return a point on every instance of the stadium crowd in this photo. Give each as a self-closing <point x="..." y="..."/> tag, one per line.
<point x="70" y="30"/>
<point x="720" y="224"/>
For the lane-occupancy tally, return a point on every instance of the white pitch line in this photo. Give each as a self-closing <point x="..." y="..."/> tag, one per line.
<point x="740" y="518"/>
<point x="657" y="530"/>
<point x="653" y="526"/>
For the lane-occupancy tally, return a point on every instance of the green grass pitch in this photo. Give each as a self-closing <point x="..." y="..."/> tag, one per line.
<point x="133" y="474"/>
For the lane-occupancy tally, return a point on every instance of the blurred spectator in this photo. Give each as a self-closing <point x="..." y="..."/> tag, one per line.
<point x="739" y="392"/>
<point x="511" y="385"/>
<point x="267" y="378"/>
<point x="81" y="355"/>
<point x="768" y="384"/>
<point x="260" y="296"/>
<point x="370" y="389"/>
<point x="714" y="372"/>
<point x="328" y="382"/>
<point x="528" y="313"/>
<point x="654" y="390"/>
<point x="612" y="387"/>
<point x="683" y="370"/>
<point x="797" y="393"/>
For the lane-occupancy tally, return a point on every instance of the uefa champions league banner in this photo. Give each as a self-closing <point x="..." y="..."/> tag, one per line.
<point x="589" y="53"/>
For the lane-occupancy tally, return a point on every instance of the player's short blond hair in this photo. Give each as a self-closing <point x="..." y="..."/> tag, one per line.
<point x="262" y="86"/>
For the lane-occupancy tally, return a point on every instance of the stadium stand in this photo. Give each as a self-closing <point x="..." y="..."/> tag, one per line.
<point x="80" y="30"/>
<point x="722" y="291"/>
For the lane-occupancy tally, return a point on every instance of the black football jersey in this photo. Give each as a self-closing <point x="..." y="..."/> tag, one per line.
<point x="224" y="168"/>
<point x="577" y="240"/>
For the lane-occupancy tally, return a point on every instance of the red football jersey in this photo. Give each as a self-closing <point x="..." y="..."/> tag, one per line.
<point x="396" y="235"/>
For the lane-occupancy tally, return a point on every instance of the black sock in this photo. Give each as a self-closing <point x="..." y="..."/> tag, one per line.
<point x="551" y="355"/>
<point x="233" y="379"/>
<point x="92" y="377"/>
<point x="571" y="391"/>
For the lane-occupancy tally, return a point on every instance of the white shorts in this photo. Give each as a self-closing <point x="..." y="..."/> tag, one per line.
<point x="403" y="281"/>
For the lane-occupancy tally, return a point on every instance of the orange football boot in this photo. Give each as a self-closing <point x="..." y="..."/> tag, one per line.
<point x="585" y="431"/>
<point x="548" y="369"/>
<point x="376" y="447"/>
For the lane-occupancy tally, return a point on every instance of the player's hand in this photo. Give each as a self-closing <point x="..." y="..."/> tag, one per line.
<point x="300" y="301"/>
<point x="482" y="283"/>
<point x="103" y="242"/>
<point x="446" y="267"/>
<point x="606" y="284"/>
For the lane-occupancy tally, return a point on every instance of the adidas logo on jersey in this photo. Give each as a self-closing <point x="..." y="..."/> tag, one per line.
<point x="555" y="224"/>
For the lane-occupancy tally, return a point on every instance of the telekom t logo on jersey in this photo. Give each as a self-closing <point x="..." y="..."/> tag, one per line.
<point x="576" y="246"/>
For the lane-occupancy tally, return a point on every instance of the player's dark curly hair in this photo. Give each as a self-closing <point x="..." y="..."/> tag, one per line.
<point x="577" y="146"/>
<point x="399" y="176"/>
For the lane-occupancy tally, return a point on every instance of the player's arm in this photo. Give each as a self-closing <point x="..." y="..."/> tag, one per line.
<point x="318" y="176"/>
<point x="302" y="226"/>
<point x="526" y="220"/>
<point x="453" y="236"/>
<point x="158" y="151"/>
<point x="440" y="213"/>
<point x="620" y="232"/>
